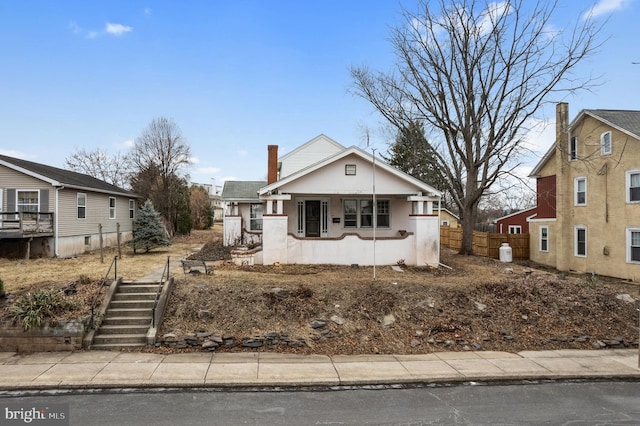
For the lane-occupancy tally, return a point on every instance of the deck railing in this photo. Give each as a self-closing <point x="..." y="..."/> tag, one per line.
<point x="27" y="223"/>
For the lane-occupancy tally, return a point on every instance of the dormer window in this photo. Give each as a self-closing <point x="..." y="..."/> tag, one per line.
<point x="350" y="169"/>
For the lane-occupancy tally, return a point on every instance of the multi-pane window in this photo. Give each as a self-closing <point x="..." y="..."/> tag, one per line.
<point x="350" y="213"/>
<point x="382" y="215"/>
<point x="573" y="148"/>
<point x="544" y="238"/>
<point x="515" y="229"/>
<point x="27" y="201"/>
<point x="255" y="217"/>
<point x="81" y="205"/>
<point x="633" y="244"/>
<point x="580" y="185"/>
<point x="132" y="209"/>
<point x="112" y="208"/>
<point x="633" y="186"/>
<point x="580" y="241"/>
<point x="605" y="143"/>
<point x="359" y="213"/>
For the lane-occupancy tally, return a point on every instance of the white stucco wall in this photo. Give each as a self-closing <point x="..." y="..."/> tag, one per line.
<point x="274" y="239"/>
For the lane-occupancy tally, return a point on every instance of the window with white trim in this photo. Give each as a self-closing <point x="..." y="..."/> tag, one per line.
<point x="27" y="201"/>
<point x="112" y="207"/>
<point x="515" y="229"/>
<point x="633" y="245"/>
<point x="580" y="191"/>
<point x="132" y="209"/>
<point x="81" y="204"/>
<point x="633" y="186"/>
<point x="255" y="217"/>
<point x="580" y="241"/>
<point x="605" y="143"/>
<point x="573" y="148"/>
<point x="445" y="223"/>
<point x="544" y="238"/>
<point x="359" y="213"/>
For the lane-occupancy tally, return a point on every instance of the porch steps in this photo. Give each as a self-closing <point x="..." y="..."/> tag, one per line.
<point x="128" y="317"/>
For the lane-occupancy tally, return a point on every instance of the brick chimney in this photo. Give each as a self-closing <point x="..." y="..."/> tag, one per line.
<point x="272" y="166"/>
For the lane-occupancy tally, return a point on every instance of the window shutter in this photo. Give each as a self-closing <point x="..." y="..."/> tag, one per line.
<point x="11" y="200"/>
<point x="44" y="200"/>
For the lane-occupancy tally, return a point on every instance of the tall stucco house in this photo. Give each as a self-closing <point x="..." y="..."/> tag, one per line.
<point x="588" y="195"/>
<point x="324" y="203"/>
<point x="48" y="211"/>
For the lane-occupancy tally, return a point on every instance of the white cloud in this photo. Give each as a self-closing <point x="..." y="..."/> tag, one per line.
<point x="147" y="11"/>
<point x="243" y="153"/>
<point x="194" y="160"/>
<point x="226" y="178"/>
<point x="109" y="29"/>
<point x="603" y="7"/>
<point x="117" y="29"/>
<point x="129" y="143"/>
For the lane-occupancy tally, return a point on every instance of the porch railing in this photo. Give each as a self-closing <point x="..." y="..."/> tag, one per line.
<point x="26" y="222"/>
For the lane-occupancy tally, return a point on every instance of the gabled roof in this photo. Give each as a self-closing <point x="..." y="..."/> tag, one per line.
<point x="519" y="212"/>
<point x="626" y="121"/>
<point x="442" y="209"/>
<point x="427" y="189"/>
<point x="311" y="142"/>
<point x="241" y="190"/>
<point x="62" y="178"/>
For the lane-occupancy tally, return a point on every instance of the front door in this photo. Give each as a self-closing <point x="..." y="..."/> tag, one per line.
<point x="312" y="218"/>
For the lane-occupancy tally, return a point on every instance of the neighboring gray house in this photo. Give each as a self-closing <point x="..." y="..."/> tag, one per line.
<point x="51" y="212"/>
<point x="244" y="204"/>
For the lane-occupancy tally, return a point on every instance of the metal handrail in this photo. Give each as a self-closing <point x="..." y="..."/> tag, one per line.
<point x="162" y="281"/>
<point x="114" y="265"/>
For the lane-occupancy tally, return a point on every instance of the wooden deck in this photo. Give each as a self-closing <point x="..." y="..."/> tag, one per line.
<point x="18" y="225"/>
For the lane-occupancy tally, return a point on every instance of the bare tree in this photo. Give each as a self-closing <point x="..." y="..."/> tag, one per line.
<point x="159" y="155"/>
<point x="114" y="169"/>
<point x="475" y="72"/>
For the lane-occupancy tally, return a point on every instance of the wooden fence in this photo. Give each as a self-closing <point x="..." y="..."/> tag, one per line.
<point x="487" y="243"/>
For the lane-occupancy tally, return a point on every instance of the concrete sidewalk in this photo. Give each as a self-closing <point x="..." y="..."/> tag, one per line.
<point x="110" y="369"/>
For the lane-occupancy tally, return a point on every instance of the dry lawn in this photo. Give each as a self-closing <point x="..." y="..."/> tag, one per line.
<point x="474" y="305"/>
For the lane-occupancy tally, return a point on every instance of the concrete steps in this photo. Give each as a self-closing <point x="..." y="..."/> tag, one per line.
<point x="128" y="317"/>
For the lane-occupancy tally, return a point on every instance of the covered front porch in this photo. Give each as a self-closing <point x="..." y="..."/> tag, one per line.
<point x="339" y="229"/>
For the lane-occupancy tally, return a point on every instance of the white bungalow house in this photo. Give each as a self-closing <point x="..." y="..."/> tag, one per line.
<point x="317" y="207"/>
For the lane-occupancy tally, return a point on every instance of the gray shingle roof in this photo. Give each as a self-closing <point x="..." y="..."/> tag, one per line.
<point x="241" y="190"/>
<point x="623" y="119"/>
<point x="66" y="177"/>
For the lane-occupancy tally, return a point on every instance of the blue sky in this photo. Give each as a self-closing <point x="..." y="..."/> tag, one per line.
<point x="236" y="76"/>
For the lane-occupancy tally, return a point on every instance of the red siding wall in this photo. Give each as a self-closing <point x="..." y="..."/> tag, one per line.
<point x="546" y="196"/>
<point x="519" y="219"/>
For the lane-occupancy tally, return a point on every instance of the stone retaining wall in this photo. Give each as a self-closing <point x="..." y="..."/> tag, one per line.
<point x="65" y="336"/>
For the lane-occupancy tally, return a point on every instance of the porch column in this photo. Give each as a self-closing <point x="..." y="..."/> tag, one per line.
<point x="274" y="239"/>
<point x="232" y="230"/>
<point x="426" y="230"/>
